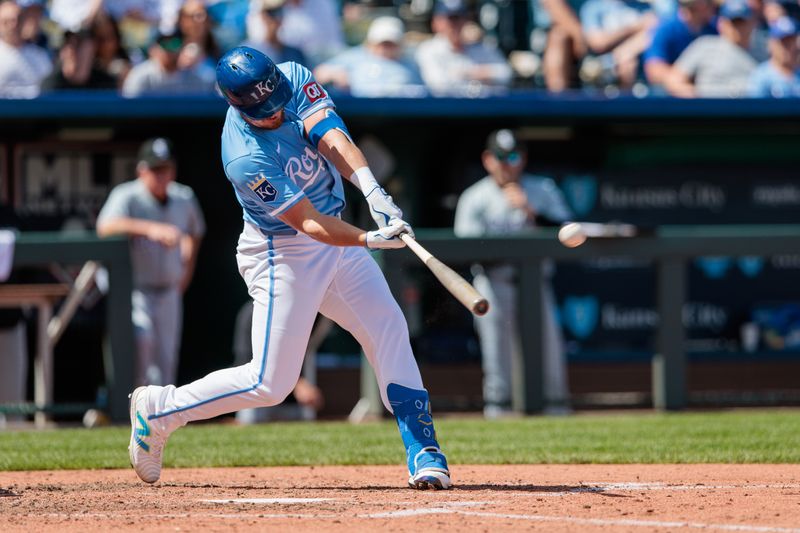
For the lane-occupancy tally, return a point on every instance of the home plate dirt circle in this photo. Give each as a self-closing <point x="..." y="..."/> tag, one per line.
<point x="637" y="498"/>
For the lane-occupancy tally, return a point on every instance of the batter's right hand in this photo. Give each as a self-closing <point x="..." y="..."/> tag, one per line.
<point x="382" y="207"/>
<point x="389" y="236"/>
<point x="165" y="234"/>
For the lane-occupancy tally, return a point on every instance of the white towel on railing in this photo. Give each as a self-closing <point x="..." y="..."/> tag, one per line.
<point x="7" y="239"/>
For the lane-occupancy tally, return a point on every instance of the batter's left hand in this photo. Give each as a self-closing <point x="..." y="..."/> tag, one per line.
<point x="389" y="236"/>
<point x="382" y="207"/>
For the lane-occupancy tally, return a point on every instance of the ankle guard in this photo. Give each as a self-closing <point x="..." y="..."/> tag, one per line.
<point x="412" y="411"/>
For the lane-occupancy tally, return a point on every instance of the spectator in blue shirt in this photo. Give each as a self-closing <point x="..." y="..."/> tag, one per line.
<point x="778" y="77"/>
<point x="376" y="68"/>
<point x="693" y="19"/>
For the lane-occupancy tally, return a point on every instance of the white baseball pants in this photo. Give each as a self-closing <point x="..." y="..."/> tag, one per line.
<point x="158" y="325"/>
<point x="290" y="278"/>
<point x="499" y="337"/>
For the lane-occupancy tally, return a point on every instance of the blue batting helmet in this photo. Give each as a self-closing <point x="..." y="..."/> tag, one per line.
<point x="252" y="83"/>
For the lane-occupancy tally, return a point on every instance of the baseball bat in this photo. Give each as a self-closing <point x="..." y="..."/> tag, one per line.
<point x="455" y="284"/>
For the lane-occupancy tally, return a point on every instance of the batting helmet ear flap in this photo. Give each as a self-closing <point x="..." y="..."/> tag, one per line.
<point x="252" y="83"/>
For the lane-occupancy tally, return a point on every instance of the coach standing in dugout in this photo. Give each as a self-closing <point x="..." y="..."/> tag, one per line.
<point x="504" y="202"/>
<point x="165" y="226"/>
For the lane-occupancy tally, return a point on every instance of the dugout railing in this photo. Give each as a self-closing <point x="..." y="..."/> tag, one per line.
<point x="41" y="249"/>
<point x="669" y="248"/>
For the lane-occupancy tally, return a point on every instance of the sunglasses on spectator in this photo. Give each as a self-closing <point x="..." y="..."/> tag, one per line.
<point x="273" y="13"/>
<point x="197" y="16"/>
<point x="171" y="44"/>
<point x="512" y="158"/>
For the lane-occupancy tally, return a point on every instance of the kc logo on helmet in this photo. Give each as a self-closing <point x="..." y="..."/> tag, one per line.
<point x="263" y="88"/>
<point x="314" y="91"/>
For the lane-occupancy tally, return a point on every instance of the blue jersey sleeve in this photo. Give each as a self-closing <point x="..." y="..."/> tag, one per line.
<point x="659" y="46"/>
<point x="262" y="186"/>
<point x="309" y="96"/>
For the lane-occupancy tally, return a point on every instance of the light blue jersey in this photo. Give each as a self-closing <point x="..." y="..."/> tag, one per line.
<point x="272" y="170"/>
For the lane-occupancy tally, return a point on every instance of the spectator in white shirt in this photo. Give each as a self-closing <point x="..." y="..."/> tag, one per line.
<point x="22" y="66"/>
<point x="376" y="68"/>
<point x="74" y="15"/>
<point x="452" y="67"/>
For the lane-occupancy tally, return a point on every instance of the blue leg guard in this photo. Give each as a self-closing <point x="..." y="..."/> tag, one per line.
<point x="426" y="462"/>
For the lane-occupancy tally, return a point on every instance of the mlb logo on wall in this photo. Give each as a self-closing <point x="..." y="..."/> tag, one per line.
<point x="264" y="189"/>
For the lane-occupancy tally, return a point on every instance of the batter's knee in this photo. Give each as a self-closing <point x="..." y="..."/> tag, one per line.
<point x="273" y="394"/>
<point x="392" y="316"/>
<point x="267" y="392"/>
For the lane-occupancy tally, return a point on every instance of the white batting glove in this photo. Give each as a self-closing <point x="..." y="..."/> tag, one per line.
<point x="389" y="237"/>
<point x="382" y="207"/>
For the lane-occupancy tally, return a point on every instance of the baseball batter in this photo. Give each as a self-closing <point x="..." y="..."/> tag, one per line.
<point x="285" y="150"/>
<point x="508" y="201"/>
<point x="165" y="224"/>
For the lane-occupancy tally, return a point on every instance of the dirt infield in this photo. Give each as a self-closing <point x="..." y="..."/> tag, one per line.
<point x="757" y="498"/>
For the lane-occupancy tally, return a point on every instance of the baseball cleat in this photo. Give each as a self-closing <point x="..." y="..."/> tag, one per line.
<point x="430" y="470"/>
<point x="147" y="443"/>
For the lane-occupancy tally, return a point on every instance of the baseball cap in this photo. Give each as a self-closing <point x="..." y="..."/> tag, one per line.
<point x="156" y="152"/>
<point x="171" y="42"/>
<point x="504" y="145"/>
<point x="783" y="27"/>
<point x="385" y="29"/>
<point x="735" y="9"/>
<point x="450" y="8"/>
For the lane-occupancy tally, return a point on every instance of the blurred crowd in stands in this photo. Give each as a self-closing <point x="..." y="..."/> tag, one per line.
<point x="414" y="48"/>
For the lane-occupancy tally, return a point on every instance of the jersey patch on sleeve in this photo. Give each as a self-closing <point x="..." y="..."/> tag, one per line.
<point x="314" y="91"/>
<point x="263" y="188"/>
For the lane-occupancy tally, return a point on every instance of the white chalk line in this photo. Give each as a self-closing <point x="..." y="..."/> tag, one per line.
<point x="695" y="486"/>
<point x="459" y="508"/>
<point x="437" y="510"/>
<point x="631" y="522"/>
<point x="269" y="501"/>
<point x="637" y="487"/>
<point x="167" y="516"/>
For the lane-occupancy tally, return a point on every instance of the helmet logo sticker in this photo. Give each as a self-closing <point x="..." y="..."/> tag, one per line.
<point x="263" y="89"/>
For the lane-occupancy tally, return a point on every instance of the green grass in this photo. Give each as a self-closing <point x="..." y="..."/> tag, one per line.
<point x="726" y="437"/>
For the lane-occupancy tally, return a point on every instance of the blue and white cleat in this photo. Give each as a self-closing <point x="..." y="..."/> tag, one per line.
<point x="430" y="470"/>
<point x="427" y="464"/>
<point x="147" y="443"/>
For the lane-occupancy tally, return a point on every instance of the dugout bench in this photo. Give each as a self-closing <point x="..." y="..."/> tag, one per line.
<point x="668" y="247"/>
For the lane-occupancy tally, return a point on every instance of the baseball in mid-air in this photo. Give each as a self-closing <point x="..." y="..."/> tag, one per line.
<point x="571" y="235"/>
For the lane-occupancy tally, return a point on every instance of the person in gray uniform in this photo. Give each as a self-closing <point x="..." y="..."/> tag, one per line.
<point x="506" y="201"/>
<point x="165" y="226"/>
